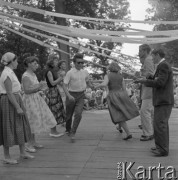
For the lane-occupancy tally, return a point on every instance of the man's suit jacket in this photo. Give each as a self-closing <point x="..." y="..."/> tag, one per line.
<point x="162" y="84"/>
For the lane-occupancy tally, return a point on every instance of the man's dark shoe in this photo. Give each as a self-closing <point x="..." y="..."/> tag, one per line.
<point x="161" y="155"/>
<point x="128" y="137"/>
<point x="157" y="153"/>
<point x="146" y="138"/>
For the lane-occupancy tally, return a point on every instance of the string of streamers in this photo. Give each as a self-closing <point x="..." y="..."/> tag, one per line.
<point x="172" y="33"/>
<point x="40" y="11"/>
<point x="146" y="33"/>
<point x="33" y="39"/>
<point x="65" y="42"/>
<point x="83" y="33"/>
<point x="44" y="44"/>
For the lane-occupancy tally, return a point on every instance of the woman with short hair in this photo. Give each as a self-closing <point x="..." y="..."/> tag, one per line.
<point x="40" y="117"/>
<point x="121" y="107"/>
<point x="14" y="125"/>
<point x="53" y="96"/>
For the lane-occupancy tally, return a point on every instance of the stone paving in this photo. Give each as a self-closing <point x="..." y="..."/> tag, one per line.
<point x="95" y="154"/>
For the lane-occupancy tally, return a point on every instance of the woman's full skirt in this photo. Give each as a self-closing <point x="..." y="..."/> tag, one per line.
<point x="121" y="107"/>
<point x="14" y="128"/>
<point x="39" y="115"/>
<point x="54" y="101"/>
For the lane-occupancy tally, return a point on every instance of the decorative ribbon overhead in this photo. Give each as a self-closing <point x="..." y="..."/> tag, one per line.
<point x="151" y="37"/>
<point x="62" y="41"/>
<point x="83" y="33"/>
<point x="44" y="44"/>
<point x="40" y="11"/>
<point x="107" y="35"/>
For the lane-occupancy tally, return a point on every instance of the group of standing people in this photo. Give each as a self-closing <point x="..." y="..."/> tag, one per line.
<point x="160" y="78"/>
<point x="157" y="98"/>
<point x="24" y="115"/>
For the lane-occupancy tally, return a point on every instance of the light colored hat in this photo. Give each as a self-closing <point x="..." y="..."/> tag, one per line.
<point x="7" y="58"/>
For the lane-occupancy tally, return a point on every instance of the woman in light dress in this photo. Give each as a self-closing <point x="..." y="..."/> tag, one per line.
<point x="40" y="117"/>
<point x="14" y="125"/>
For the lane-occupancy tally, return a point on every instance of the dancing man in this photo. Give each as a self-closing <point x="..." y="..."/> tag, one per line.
<point x="76" y="80"/>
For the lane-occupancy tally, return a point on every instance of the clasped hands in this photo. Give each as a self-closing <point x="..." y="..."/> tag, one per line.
<point x="139" y="80"/>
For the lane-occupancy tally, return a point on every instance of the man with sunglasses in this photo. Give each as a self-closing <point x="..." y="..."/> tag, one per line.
<point x="76" y="80"/>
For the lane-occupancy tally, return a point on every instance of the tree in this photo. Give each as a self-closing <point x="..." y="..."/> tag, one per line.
<point x="60" y="8"/>
<point x="10" y="42"/>
<point x="20" y="46"/>
<point x="95" y="8"/>
<point x="166" y="10"/>
<point x="99" y="9"/>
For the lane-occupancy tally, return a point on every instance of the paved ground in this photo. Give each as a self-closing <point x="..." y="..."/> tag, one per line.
<point x="94" y="155"/>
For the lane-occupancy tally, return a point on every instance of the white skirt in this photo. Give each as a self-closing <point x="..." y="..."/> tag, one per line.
<point x="39" y="115"/>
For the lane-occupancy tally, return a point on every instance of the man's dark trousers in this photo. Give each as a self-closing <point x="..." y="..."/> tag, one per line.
<point x="76" y="108"/>
<point x="161" y="128"/>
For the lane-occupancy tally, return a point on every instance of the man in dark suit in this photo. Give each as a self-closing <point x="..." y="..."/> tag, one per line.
<point x="163" y="100"/>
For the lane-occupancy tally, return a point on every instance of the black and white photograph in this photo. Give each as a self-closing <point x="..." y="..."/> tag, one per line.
<point x="88" y="89"/>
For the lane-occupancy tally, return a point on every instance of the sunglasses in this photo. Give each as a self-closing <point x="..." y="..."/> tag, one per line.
<point x="80" y="62"/>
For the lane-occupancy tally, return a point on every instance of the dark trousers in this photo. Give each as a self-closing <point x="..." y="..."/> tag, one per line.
<point x="76" y="108"/>
<point x="161" y="128"/>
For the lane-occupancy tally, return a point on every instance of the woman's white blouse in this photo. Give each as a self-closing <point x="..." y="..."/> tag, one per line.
<point x="32" y="77"/>
<point x="8" y="72"/>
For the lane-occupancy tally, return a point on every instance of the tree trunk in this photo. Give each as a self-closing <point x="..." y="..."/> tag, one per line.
<point x="60" y="8"/>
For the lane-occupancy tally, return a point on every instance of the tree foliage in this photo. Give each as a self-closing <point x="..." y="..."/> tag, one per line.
<point x="104" y="9"/>
<point x="166" y="10"/>
<point x="10" y="42"/>
<point x="91" y="8"/>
